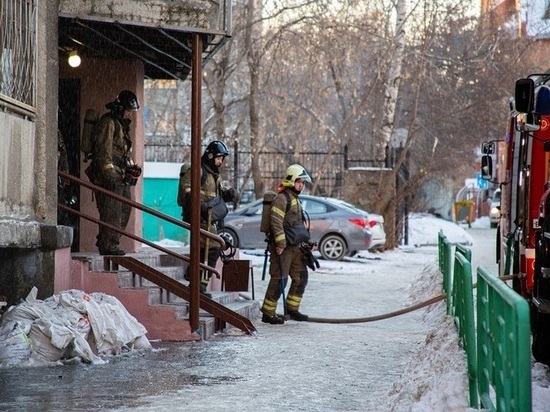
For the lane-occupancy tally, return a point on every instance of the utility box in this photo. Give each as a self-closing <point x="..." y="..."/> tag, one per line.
<point x="235" y="276"/>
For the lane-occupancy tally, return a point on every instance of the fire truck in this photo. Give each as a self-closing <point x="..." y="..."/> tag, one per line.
<point x="523" y="232"/>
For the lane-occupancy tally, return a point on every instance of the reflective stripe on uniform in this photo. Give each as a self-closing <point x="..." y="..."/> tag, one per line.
<point x="269" y="307"/>
<point x="293" y="302"/>
<point x="280" y="237"/>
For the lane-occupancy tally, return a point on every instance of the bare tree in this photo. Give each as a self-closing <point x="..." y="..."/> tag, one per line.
<point x="300" y="78"/>
<point x="393" y="79"/>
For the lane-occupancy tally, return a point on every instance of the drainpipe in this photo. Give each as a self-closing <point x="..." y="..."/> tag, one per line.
<point x="196" y="78"/>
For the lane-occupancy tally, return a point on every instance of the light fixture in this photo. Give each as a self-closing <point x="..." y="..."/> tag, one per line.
<point x="74" y="59"/>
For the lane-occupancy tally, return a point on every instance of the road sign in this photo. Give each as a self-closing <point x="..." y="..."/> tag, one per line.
<point x="482" y="184"/>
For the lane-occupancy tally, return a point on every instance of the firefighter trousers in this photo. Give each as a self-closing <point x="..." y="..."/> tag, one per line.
<point x="291" y="264"/>
<point x="115" y="213"/>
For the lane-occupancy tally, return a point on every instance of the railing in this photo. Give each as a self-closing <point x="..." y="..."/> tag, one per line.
<point x="445" y="250"/>
<point x="503" y="336"/>
<point x="499" y="357"/>
<point x="220" y="312"/>
<point x="463" y="310"/>
<point x="225" y="315"/>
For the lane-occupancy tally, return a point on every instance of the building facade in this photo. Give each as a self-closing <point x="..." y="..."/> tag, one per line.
<point x="120" y="43"/>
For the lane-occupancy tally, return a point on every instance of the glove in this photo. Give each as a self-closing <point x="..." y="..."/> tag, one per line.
<point x="311" y="261"/>
<point x="130" y="180"/>
<point x="131" y="175"/>
<point x="134" y="171"/>
<point x="230" y="195"/>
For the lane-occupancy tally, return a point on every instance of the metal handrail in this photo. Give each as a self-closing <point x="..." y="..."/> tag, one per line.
<point x="141" y="207"/>
<point x="135" y="237"/>
<point x="195" y="300"/>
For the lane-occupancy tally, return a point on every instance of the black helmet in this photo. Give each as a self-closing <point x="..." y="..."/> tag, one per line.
<point x="127" y="100"/>
<point x="215" y="149"/>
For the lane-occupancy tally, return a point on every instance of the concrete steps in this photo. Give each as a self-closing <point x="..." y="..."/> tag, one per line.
<point x="165" y="316"/>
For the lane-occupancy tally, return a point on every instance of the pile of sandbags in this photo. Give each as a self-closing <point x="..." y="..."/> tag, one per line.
<point x="67" y="327"/>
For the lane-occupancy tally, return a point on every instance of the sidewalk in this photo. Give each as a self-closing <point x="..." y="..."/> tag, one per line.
<point x="298" y="366"/>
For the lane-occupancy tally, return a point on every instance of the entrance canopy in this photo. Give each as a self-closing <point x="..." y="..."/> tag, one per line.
<point x="164" y="48"/>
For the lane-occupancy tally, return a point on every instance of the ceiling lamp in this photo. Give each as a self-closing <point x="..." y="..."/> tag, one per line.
<point x="74" y="59"/>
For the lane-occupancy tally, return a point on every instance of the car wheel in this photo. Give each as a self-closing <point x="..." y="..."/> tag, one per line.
<point x="229" y="236"/>
<point x="332" y="247"/>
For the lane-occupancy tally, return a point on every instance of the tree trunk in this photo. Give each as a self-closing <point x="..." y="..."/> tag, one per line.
<point x="392" y="83"/>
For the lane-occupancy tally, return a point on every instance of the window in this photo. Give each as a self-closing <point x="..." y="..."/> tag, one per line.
<point x="313" y="208"/>
<point x="17" y="50"/>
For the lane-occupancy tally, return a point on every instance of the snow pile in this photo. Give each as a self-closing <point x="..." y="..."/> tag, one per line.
<point x="69" y="326"/>
<point x="424" y="384"/>
<point x="424" y="228"/>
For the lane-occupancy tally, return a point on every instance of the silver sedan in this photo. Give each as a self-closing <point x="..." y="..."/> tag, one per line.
<point x="339" y="230"/>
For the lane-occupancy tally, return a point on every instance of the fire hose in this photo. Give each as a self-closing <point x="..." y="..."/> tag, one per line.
<point x="399" y="312"/>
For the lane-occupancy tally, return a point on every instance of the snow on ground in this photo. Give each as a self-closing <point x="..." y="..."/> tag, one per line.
<point x="435" y="379"/>
<point x="441" y="346"/>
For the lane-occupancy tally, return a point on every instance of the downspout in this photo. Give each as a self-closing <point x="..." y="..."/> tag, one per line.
<point x="196" y="77"/>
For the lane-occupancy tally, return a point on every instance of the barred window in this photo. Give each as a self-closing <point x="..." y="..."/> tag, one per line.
<point x="17" y="51"/>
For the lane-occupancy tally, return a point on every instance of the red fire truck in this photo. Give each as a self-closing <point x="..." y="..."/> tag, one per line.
<point x="523" y="233"/>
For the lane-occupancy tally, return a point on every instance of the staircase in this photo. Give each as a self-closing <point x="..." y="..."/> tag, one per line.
<point x="151" y="287"/>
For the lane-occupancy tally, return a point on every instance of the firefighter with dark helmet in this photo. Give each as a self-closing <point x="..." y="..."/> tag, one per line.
<point x="113" y="168"/>
<point x="212" y="190"/>
<point x="288" y="233"/>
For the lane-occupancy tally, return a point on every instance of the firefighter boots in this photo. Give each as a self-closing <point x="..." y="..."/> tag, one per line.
<point x="295" y="315"/>
<point x="273" y="320"/>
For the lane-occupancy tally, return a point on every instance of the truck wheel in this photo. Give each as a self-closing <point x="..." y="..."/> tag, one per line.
<point x="541" y="337"/>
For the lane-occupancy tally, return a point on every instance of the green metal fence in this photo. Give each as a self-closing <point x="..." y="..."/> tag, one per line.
<point x="498" y="349"/>
<point x="503" y="336"/>
<point x="445" y="250"/>
<point x="463" y="309"/>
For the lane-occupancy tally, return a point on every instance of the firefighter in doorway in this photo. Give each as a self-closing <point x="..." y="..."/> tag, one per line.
<point x="113" y="168"/>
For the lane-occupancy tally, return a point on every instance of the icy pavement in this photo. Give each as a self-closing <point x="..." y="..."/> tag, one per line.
<point x="296" y="366"/>
<point x="407" y="363"/>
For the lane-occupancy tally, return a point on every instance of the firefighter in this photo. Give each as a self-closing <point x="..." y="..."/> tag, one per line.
<point x="286" y="243"/>
<point x="213" y="207"/>
<point x="112" y="168"/>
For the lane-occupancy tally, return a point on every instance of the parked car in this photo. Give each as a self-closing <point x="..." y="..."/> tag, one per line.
<point x="376" y="223"/>
<point x="338" y="229"/>
<point x="494" y="211"/>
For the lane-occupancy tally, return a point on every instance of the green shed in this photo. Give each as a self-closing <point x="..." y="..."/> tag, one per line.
<point x="160" y="191"/>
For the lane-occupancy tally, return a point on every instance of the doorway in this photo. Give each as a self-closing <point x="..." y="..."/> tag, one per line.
<point x="69" y="130"/>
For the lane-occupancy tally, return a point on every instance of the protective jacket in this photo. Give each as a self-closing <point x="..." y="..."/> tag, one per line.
<point x="283" y="216"/>
<point x="112" y="150"/>
<point x="211" y="187"/>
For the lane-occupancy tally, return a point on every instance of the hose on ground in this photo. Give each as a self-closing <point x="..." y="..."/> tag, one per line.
<point x="399" y="312"/>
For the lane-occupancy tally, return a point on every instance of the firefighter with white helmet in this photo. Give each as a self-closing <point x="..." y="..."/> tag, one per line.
<point x="288" y="233"/>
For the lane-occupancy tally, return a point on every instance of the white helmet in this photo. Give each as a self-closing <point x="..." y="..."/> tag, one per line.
<point x="294" y="172"/>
